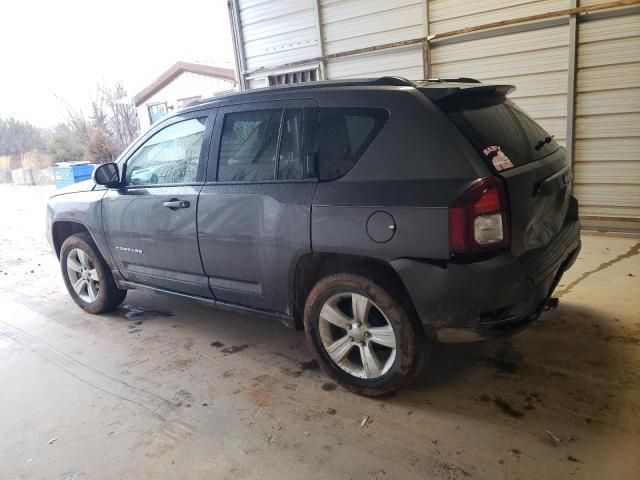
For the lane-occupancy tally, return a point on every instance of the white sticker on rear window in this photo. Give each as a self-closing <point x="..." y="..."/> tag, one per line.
<point x="498" y="158"/>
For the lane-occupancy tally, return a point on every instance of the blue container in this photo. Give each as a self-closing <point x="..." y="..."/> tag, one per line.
<point x="68" y="173"/>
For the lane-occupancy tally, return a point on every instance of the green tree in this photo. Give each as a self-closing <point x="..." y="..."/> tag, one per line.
<point x="18" y="137"/>
<point x="65" y="145"/>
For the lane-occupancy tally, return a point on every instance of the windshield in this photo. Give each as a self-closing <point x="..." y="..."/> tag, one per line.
<point x="495" y="124"/>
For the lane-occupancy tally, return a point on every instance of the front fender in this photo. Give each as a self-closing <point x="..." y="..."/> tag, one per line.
<point x="83" y="208"/>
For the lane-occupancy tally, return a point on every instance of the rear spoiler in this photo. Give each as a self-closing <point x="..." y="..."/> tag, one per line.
<point x="440" y="91"/>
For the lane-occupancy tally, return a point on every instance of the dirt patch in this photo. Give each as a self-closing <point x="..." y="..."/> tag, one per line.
<point x="504" y="406"/>
<point x="310" y="365"/>
<point x="507" y="409"/>
<point x="259" y="398"/>
<point x="235" y="348"/>
<point x="132" y="313"/>
<point x="505" y="360"/>
<point x="451" y="471"/>
<point x="291" y="372"/>
<point x="622" y="339"/>
<point x="183" y="398"/>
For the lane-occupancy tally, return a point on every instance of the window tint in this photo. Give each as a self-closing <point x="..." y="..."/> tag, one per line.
<point x="248" y="145"/>
<point x="345" y="134"/>
<point x="290" y="165"/>
<point x="492" y="120"/>
<point x="170" y="156"/>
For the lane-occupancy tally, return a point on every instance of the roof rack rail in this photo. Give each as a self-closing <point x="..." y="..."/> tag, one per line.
<point x="458" y="80"/>
<point x="393" y="82"/>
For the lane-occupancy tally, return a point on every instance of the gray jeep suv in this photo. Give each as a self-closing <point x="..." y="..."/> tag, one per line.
<point x="378" y="215"/>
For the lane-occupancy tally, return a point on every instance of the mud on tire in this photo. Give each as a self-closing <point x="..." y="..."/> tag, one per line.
<point x="410" y="345"/>
<point x="109" y="296"/>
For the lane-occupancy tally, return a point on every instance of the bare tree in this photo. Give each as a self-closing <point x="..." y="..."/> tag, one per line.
<point x="77" y="122"/>
<point x="100" y="148"/>
<point x="99" y="117"/>
<point x="122" y="120"/>
<point x="110" y="128"/>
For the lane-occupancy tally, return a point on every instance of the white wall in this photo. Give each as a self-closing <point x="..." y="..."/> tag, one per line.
<point x="185" y="85"/>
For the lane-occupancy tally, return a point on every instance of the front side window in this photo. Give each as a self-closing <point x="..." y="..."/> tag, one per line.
<point x="157" y="112"/>
<point x="170" y="156"/>
<point x="345" y="134"/>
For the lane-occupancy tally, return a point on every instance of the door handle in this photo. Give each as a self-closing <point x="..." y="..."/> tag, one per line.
<point x="174" y="204"/>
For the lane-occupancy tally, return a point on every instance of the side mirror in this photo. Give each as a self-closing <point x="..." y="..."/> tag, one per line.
<point x="107" y="174"/>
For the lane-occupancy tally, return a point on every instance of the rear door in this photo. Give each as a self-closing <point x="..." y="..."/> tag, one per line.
<point x="150" y="221"/>
<point x="534" y="167"/>
<point x="255" y="209"/>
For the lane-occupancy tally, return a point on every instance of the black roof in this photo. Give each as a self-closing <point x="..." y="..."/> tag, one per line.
<point x="448" y="84"/>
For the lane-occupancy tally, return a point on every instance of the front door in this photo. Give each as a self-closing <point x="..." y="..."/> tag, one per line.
<point x="255" y="209"/>
<point x="150" y="222"/>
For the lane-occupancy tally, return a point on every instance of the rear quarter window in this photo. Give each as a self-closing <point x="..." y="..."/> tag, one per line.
<point x="345" y="134"/>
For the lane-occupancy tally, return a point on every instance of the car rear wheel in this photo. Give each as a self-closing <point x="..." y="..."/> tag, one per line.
<point x="87" y="277"/>
<point x="363" y="337"/>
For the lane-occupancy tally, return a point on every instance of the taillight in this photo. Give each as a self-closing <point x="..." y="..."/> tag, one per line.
<point x="478" y="218"/>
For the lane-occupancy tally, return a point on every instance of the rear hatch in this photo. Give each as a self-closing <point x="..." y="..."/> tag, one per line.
<point x="533" y="166"/>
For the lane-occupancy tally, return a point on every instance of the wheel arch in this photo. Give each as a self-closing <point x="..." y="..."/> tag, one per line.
<point x="311" y="267"/>
<point x="63" y="229"/>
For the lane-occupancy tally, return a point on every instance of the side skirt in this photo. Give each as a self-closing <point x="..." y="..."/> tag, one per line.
<point x="280" y="317"/>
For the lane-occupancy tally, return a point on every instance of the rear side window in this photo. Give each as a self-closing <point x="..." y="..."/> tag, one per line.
<point x="345" y="134"/>
<point x="248" y="145"/>
<point x="263" y="145"/>
<point x="290" y="155"/>
<point x="494" y="121"/>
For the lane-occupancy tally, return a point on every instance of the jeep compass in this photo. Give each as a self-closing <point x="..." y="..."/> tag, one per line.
<point x="378" y="215"/>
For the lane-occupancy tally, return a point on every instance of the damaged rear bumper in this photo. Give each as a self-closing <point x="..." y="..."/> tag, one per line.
<point x="492" y="298"/>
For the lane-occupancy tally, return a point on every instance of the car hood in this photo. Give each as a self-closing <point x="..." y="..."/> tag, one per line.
<point x="84" y="186"/>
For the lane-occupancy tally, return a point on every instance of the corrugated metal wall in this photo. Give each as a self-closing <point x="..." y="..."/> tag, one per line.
<point x="445" y="15"/>
<point x="607" y="145"/>
<point x="277" y="32"/>
<point x="350" y="24"/>
<point x="535" y="56"/>
<point x="535" y="61"/>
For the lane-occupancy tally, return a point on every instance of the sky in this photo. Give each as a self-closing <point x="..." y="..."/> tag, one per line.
<point x="61" y="49"/>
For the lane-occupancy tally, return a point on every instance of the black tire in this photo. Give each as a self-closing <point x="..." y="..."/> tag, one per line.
<point x="109" y="295"/>
<point x="411" y="346"/>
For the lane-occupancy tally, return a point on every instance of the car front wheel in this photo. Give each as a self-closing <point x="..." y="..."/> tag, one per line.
<point x="87" y="277"/>
<point x="363" y="337"/>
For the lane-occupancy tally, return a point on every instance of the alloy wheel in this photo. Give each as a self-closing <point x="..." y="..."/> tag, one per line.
<point x="357" y="335"/>
<point x="83" y="276"/>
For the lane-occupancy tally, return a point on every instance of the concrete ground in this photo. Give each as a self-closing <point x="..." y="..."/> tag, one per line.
<point x="165" y="388"/>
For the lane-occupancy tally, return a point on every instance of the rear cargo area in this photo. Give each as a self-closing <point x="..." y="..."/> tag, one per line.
<point x="532" y="165"/>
